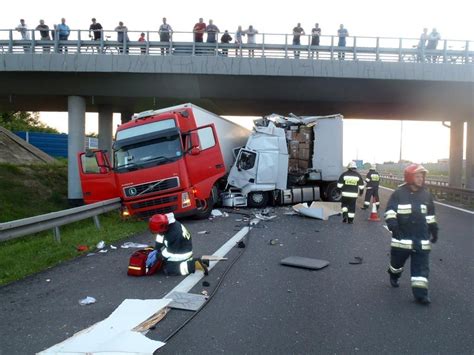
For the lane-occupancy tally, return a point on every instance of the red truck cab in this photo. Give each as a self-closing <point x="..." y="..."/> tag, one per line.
<point x="161" y="162"/>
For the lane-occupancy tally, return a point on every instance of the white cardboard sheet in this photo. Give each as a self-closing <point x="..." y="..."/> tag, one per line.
<point x="318" y="209"/>
<point x="114" y="334"/>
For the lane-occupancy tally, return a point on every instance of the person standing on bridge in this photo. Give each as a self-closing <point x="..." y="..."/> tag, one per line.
<point x="342" y="33"/>
<point x="226" y="38"/>
<point x="433" y="40"/>
<point x="251" y="34"/>
<point x="25" y="34"/>
<point x="174" y="246"/>
<point x="372" y="179"/>
<point x="422" y="45"/>
<point x="238" y="40"/>
<point x="315" y="36"/>
<point x="166" y="32"/>
<point x="122" y="37"/>
<point x="298" y="31"/>
<point x="410" y="216"/>
<point x="63" y="32"/>
<point x="44" y="33"/>
<point x="351" y="185"/>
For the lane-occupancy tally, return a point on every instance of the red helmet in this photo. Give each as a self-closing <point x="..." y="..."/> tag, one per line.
<point x="158" y="223"/>
<point x="411" y="170"/>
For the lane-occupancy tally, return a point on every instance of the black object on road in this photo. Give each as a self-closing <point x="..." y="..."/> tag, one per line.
<point x="305" y="263"/>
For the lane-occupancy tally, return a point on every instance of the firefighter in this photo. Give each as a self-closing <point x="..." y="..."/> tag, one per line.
<point x="372" y="190"/>
<point x="173" y="241"/>
<point x="410" y="216"/>
<point x="351" y="185"/>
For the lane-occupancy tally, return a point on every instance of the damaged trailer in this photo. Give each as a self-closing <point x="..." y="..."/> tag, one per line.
<point x="288" y="160"/>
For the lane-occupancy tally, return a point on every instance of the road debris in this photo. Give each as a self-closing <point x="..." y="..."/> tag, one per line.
<point x="203" y="232"/>
<point x="216" y="213"/>
<point x="133" y="245"/>
<point x="318" y="209"/>
<point x="81" y="248"/>
<point x="206" y="284"/>
<point x="305" y="263"/>
<point x="186" y="301"/>
<point x="87" y="300"/>
<point x="103" y="251"/>
<point x="113" y="247"/>
<point x="357" y="260"/>
<point x="100" y="245"/>
<point x="275" y="242"/>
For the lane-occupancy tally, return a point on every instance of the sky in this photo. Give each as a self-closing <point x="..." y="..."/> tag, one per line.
<point x="423" y="141"/>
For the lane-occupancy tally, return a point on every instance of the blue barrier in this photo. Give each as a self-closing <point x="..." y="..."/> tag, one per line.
<point x="53" y="144"/>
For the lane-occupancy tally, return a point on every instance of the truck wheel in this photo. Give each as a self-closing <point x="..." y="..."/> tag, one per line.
<point x="204" y="212"/>
<point x="332" y="193"/>
<point x="257" y="199"/>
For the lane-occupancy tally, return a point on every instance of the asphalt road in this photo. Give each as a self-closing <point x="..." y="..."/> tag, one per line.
<point x="261" y="306"/>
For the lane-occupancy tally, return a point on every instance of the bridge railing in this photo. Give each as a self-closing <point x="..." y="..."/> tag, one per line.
<point x="268" y="45"/>
<point x="453" y="194"/>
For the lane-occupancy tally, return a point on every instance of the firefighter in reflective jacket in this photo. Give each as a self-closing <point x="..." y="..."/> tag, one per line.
<point x="351" y="185"/>
<point x="372" y="189"/>
<point x="410" y="216"/>
<point x="174" y="242"/>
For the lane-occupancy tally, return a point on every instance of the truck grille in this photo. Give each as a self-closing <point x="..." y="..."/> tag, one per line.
<point x="151" y="187"/>
<point x="149" y="213"/>
<point x="155" y="202"/>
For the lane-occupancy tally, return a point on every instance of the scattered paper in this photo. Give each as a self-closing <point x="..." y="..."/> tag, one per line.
<point x="113" y="247"/>
<point x="216" y="213"/>
<point x="103" y="251"/>
<point x="318" y="210"/>
<point x="100" y="245"/>
<point x="133" y="245"/>
<point x="114" y="334"/>
<point x="87" y="300"/>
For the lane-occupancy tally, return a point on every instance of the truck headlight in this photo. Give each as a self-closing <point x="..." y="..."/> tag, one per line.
<point x="185" y="200"/>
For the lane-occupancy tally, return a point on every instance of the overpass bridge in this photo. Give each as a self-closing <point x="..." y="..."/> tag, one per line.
<point x="371" y="78"/>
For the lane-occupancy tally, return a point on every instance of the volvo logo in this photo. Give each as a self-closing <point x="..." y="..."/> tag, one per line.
<point x="132" y="191"/>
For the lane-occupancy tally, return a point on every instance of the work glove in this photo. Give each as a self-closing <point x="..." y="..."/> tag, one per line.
<point x="434" y="236"/>
<point x="396" y="234"/>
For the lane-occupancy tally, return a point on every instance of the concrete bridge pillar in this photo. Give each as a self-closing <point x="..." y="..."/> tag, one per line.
<point x="75" y="144"/>
<point x="470" y="155"/>
<point x="455" y="153"/>
<point x="105" y="128"/>
<point x="126" y="116"/>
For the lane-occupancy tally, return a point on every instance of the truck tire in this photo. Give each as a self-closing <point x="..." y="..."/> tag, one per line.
<point x="205" y="211"/>
<point x="332" y="192"/>
<point x="257" y="199"/>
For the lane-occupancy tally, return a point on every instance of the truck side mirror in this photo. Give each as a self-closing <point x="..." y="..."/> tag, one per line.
<point x="195" y="151"/>
<point x="194" y="140"/>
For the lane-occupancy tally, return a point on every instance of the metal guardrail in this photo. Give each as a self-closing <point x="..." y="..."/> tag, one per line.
<point x="454" y="194"/>
<point x="267" y="45"/>
<point x="26" y="226"/>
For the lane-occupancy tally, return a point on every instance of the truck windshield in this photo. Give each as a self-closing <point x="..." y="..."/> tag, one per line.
<point x="148" y="153"/>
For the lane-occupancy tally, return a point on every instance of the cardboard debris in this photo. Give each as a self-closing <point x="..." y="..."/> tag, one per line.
<point x="115" y="334"/>
<point x="186" y="301"/>
<point x="304" y="263"/>
<point x="318" y="209"/>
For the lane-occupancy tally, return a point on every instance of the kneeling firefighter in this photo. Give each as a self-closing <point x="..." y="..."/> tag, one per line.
<point x="174" y="246"/>
<point x="410" y="216"/>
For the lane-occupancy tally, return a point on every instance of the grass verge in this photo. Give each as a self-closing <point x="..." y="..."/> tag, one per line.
<point x="28" y="255"/>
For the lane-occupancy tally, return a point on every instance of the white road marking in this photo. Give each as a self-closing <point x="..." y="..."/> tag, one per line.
<point x="192" y="279"/>
<point x="438" y="203"/>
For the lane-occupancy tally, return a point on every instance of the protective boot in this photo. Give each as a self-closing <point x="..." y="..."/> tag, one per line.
<point x="394" y="282"/>
<point x="425" y="300"/>
<point x="202" y="265"/>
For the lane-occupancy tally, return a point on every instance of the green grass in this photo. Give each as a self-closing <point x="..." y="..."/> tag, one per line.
<point x="30" y="190"/>
<point x="28" y="255"/>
